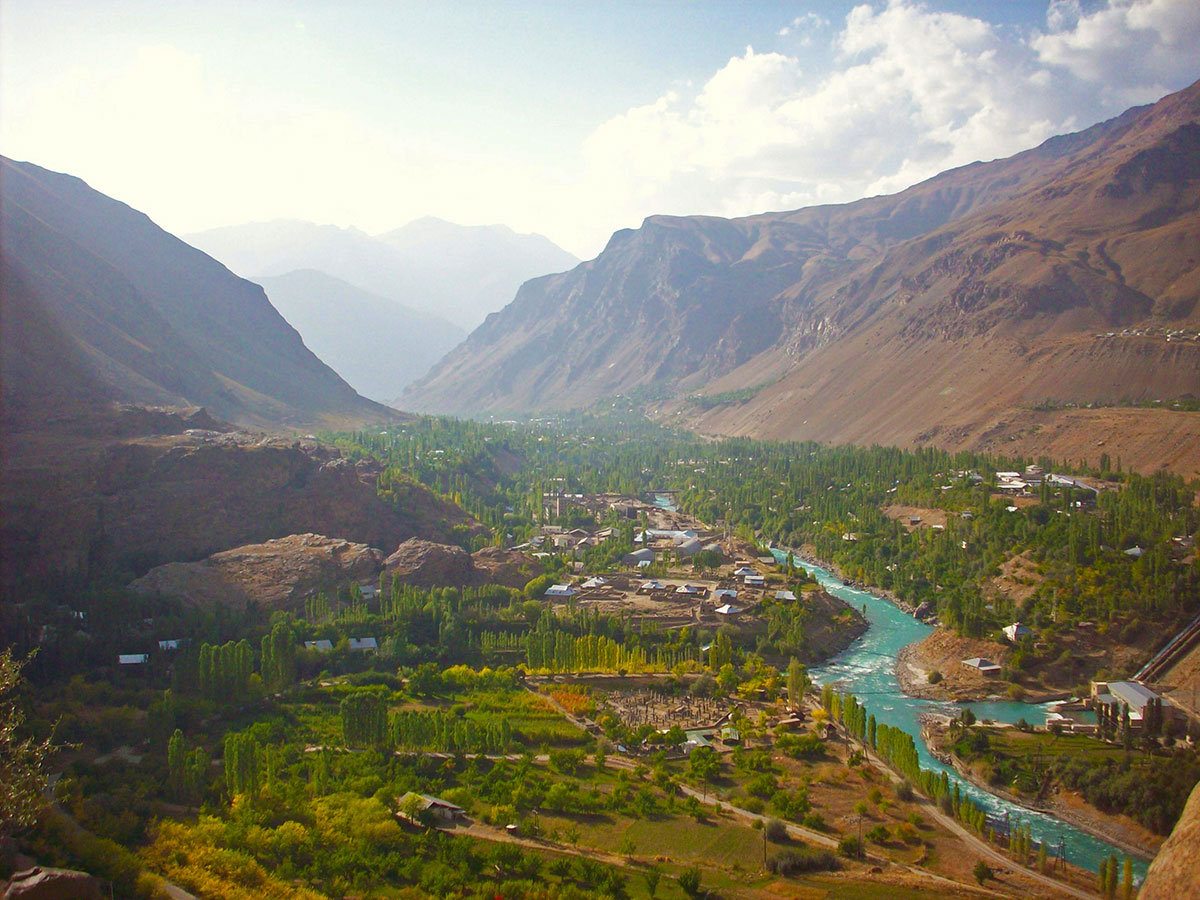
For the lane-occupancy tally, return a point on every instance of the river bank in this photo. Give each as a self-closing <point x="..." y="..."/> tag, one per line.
<point x="1120" y="831"/>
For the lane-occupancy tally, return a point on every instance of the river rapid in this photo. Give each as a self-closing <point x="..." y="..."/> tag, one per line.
<point x="867" y="669"/>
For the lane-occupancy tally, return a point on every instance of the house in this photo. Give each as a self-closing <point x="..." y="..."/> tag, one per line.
<point x="322" y="646"/>
<point x="645" y="554"/>
<point x="689" y="548"/>
<point x="755" y="581"/>
<point x="133" y="659"/>
<point x="560" y="590"/>
<point x="650" y="587"/>
<point x="727" y="610"/>
<point x="1135" y="552"/>
<point x="744" y="571"/>
<point x="690" y="590"/>
<point x="592" y="583"/>
<point x="443" y="811"/>
<point x="724" y="594"/>
<point x="1016" y="632"/>
<point x="984" y="667"/>
<point x="730" y="735"/>
<point x="172" y="644"/>
<point x="784" y="595"/>
<point x="367" y="643"/>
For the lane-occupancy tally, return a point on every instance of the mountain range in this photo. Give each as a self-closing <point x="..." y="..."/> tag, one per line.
<point x="454" y="272"/>
<point x="377" y="345"/>
<point x="100" y="304"/>
<point x="1024" y="305"/>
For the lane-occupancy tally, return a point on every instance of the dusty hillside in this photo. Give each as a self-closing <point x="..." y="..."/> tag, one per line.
<point x="973" y="310"/>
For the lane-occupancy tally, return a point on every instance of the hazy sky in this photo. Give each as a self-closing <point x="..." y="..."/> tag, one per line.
<point x="572" y="119"/>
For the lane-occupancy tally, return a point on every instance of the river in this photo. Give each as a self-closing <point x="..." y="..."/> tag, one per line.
<point x="867" y="670"/>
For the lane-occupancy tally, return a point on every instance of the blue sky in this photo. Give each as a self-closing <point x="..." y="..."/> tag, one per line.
<point x="571" y="119"/>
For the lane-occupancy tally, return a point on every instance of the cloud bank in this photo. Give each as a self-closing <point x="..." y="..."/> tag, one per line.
<point x="911" y="92"/>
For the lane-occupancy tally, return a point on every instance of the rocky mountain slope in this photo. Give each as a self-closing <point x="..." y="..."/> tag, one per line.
<point x="377" y="345"/>
<point x="143" y="488"/>
<point x="1174" y="872"/>
<point x="967" y="311"/>
<point x="100" y="303"/>
<point x="456" y="272"/>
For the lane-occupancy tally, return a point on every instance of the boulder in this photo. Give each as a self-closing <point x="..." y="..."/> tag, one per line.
<point x="511" y="568"/>
<point x="40" y="883"/>
<point x="426" y="564"/>
<point x="1175" y="872"/>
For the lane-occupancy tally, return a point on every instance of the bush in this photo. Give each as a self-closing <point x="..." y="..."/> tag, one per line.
<point x="935" y="677"/>
<point x="879" y="834"/>
<point x="904" y="792"/>
<point x="850" y="846"/>
<point x="689" y="881"/>
<point x="776" y="831"/>
<point x="982" y="871"/>
<point x="791" y="862"/>
<point x="815" y="821"/>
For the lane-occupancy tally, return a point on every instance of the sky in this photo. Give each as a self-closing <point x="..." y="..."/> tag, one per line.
<point x="569" y="119"/>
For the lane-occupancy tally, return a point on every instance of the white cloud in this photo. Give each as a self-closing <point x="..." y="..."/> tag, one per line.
<point x="912" y="93"/>
<point x="1132" y="48"/>
<point x="803" y="27"/>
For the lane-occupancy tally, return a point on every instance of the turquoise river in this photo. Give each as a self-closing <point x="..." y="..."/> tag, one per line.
<point x="867" y="670"/>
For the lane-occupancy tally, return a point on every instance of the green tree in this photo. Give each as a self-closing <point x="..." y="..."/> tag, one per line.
<point x="797" y="681"/>
<point x="982" y="871"/>
<point x="22" y="758"/>
<point x="364" y="719"/>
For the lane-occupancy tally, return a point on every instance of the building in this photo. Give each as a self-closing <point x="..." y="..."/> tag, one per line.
<point x="321" y="646"/>
<point x="1125" y="693"/>
<point x="1016" y="632"/>
<point x="691" y="590"/>
<point x="443" y="811"/>
<point x="172" y="644"/>
<point x="755" y="581"/>
<point x="364" y="644"/>
<point x="650" y="587"/>
<point x="983" y="666"/>
<point x="133" y="659"/>
<point x="784" y="595"/>
<point x="644" y="555"/>
<point x="727" y="610"/>
<point x="724" y="594"/>
<point x="592" y="583"/>
<point x="562" y="591"/>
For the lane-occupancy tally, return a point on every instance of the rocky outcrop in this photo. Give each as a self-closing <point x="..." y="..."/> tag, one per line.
<point x="40" y="883"/>
<point x="80" y="502"/>
<point x="427" y="564"/>
<point x="1175" y="872"/>
<point x="277" y="574"/>
<point x="511" y="568"/>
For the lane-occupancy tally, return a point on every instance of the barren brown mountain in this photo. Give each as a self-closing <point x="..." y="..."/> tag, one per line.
<point x="987" y="308"/>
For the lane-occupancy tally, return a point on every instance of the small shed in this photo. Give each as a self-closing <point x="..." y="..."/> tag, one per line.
<point x="364" y="644"/>
<point x="983" y="666"/>
<point x="442" y="810"/>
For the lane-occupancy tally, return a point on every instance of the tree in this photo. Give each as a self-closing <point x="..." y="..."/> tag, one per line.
<point x="364" y="719"/>
<point x="22" y="758"/>
<point x="652" y="876"/>
<point x="797" y="681"/>
<point x="703" y="765"/>
<point x="982" y="871"/>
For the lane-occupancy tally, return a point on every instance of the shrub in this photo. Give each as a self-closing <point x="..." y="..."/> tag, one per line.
<point x="815" y="821"/>
<point x="982" y="871"/>
<point x="689" y="881"/>
<point x="904" y="792"/>
<point x="879" y="834"/>
<point x="791" y="862"/>
<point x="935" y="677"/>
<point x="850" y="846"/>
<point x="776" y="831"/>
